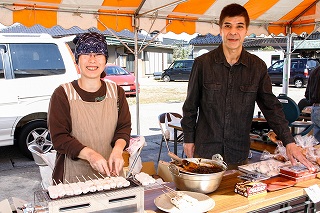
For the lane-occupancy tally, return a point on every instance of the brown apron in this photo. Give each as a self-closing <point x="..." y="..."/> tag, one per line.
<point x="93" y="124"/>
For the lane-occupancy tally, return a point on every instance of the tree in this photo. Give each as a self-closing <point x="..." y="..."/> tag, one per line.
<point x="267" y="48"/>
<point x="181" y="51"/>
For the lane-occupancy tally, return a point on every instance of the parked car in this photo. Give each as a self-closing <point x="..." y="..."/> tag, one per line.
<point x="178" y="70"/>
<point x="122" y="78"/>
<point x="31" y="67"/>
<point x="157" y="75"/>
<point x="299" y="71"/>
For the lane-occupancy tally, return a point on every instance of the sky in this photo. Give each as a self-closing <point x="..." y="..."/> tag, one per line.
<point x="182" y="36"/>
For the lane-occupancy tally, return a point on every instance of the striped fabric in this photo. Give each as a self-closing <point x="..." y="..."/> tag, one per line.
<point x="189" y="16"/>
<point x="71" y="92"/>
<point x="73" y="95"/>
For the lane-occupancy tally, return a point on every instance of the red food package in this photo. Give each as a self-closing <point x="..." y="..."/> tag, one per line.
<point x="295" y="171"/>
<point x="300" y="178"/>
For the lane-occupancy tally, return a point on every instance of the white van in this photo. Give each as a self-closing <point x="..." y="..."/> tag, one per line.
<point x="31" y="67"/>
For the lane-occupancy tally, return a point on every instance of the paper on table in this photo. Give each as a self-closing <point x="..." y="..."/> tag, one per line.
<point x="5" y="206"/>
<point x="314" y="193"/>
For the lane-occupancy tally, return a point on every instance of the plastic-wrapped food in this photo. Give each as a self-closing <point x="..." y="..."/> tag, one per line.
<point x="306" y="140"/>
<point x="250" y="188"/>
<point x="279" y="155"/>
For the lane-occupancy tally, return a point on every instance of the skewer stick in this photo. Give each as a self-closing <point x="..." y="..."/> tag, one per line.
<point x="166" y="194"/>
<point x="78" y="179"/>
<point x="54" y="181"/>
<point x="101" y="175"/>
<point x="168" y="188"/>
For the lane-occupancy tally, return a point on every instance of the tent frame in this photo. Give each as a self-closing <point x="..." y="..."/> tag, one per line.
<point x="153" y="15"/>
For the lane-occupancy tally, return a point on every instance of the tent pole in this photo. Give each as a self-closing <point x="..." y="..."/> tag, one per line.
<point x="287" y="64"/>
<point x="136" y="74"/>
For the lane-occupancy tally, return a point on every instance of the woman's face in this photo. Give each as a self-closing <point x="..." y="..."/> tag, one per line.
<point x="92" y="64"/>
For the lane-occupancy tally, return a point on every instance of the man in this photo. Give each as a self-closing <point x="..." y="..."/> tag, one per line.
<point x="223" y="87"/>
<point x="89" y="119"/>
<point x="312" y="94"/>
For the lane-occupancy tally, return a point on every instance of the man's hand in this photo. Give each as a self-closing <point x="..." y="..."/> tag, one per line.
<point x="188" y="149"/>
<point x="294" y="153"/>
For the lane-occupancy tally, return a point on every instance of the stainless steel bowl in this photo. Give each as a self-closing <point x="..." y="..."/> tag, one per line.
<point x="203" y="183"/>
<point x="299" y="126"/>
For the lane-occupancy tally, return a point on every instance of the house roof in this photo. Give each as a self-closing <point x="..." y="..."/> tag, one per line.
<point x="192" y="16"/>
<point x="58" y="31"/>
<point x="210" y="39"/>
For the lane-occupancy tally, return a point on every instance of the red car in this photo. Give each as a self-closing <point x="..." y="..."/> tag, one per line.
<point x="122" y="78"/>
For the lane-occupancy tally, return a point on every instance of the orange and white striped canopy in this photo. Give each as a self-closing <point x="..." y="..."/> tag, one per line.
<point x="189" y="16"/>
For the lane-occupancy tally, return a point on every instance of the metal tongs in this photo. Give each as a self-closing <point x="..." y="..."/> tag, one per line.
<point x="134" y="162"/>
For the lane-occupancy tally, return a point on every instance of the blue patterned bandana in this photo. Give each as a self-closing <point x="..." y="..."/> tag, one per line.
<point x="90" y="43"/>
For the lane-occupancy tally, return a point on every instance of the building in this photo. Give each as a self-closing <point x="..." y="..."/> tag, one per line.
<point x="154" y="57"/>
<point x="310" y="48"/>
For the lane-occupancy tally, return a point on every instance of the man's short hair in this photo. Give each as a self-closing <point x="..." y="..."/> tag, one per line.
<point x="233" y="10"/>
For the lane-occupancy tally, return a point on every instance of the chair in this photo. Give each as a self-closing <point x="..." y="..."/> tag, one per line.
<point x="292" y="112"/>
<point x="164" y="119"/>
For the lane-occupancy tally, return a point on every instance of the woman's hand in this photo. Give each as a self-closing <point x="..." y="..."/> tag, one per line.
<point x="116" y="161"/>
<point x="97" y="161"/>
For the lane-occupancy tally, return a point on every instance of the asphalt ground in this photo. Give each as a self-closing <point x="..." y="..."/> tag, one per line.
<point x="20" y="177"/>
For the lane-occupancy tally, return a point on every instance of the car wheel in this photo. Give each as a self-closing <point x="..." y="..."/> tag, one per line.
<point x="298" y="83"/>
<point x="34" y="134"/>
<point x="166" y="78"/>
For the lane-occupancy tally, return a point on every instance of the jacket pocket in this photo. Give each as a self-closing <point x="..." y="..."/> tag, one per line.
<point x="249" y="94"/>
<point x="211" y="92"/>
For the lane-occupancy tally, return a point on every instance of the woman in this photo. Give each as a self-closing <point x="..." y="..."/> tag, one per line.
<point x="89" y="119"/>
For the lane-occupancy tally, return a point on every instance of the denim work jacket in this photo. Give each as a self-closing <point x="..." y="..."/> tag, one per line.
<point x="312" y="91"/>
<point x="219" y="107"/>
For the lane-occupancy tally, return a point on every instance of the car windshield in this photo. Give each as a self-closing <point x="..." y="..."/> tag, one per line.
<point x="114" y="70"/>
<point x="312" y="63"/>
<point x="278" y="65"/>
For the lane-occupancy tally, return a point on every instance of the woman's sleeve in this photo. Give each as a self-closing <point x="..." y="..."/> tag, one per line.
<point x="60" y="126"/>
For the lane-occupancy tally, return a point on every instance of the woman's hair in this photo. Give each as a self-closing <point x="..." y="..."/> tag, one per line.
<point x="233" y="10"/>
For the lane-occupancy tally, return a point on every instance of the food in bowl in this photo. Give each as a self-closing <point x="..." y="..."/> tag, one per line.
<point x="203" y="183"/>
<point x="207" y="169"/>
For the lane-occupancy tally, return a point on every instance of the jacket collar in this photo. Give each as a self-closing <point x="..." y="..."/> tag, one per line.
<point x="220" y="57"/>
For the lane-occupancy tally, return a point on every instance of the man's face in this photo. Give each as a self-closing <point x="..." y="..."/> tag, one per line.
<point x="92" y="65"/>
<point x="233" y="32"/>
